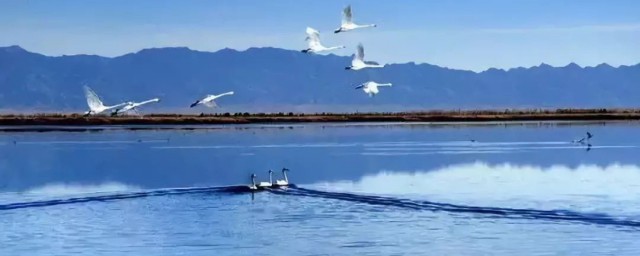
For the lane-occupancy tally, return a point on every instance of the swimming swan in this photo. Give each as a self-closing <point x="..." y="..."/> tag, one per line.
<point x="209" y="100"/>
<point x="253" y="182"/>
<point x="347" y="22"/>
<point x="282" y="183"/>
<point x="95" y="104"/>
<point x="133" y="106"/>
<point x="371" y="87"/>
<point x="265" y="184"/>
<point x="358" y="62"/>
<point x="313" y="38"/>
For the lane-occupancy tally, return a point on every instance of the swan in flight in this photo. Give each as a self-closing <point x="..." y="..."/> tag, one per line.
<point x="209" y="100"/>
<point x="133" y="106"/>
<point x="347" y="22"/>
<point x="282" y="183"/>
<point x="313" y="38"/>
<point x="371" y="87"/>
<point x="95" y="104"/>
<point x="265" y="184"/>
<point x="358" y="61"/>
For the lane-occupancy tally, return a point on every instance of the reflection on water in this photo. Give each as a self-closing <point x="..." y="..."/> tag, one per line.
<point x="364" y="189"/>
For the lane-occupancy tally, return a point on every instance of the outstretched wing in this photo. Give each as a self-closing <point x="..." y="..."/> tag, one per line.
<point x="346" y="15"/>
<point x="313" y="36"/>
<point x="93" y="100"/>
<point x="360" y="53"/>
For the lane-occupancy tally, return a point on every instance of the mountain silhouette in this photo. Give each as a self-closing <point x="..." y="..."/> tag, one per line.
<point x="270" y="79"/>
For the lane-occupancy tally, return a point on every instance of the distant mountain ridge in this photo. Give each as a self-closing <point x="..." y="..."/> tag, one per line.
<point x="272" y="79"/>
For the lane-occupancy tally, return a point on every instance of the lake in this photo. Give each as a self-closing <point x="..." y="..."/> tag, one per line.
<point x="362" y="189"/>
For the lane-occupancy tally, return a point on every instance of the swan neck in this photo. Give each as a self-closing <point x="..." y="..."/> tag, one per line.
<point x="270" y="179"/>
<point x="284" y="173"/>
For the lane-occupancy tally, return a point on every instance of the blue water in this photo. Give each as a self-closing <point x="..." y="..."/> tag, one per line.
<point x="362" y="189"/>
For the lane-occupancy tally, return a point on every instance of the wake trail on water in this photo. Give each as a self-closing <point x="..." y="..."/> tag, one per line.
<point x="514" y="213"/>
<point x="499" y="212"/>
<point x="124" y="195"/>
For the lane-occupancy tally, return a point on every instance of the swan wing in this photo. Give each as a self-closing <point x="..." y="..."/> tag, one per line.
<point x="360" y="53"/>
<point x="372" y="63"/>
<point x="347" y="15"/>
<point x="313" y="36"/>
<point x="210" y="104"/>
<point x="93" y="100"/>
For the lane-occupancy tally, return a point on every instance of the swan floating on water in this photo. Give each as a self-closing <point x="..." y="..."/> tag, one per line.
<point x="313" y="37"/>
<point x="95" y="104"/>
<point x="132" y="106"/>
<point x="209" y="100"/>
<point x="265" y="184"/>
<point x="347" y="23"/>
<point x="282" y="183"/>
<point x="253" y="186"/>
<point x="359" y="63"/>
<point x="371" y="87"/>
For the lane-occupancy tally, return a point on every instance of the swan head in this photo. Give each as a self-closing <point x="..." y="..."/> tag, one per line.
<point x="347" y="68"/>
<point x="285" y="170"/>
<point x="305" y="51"/>
<point x="337" y="30"/>
<point x="270" y="171"/>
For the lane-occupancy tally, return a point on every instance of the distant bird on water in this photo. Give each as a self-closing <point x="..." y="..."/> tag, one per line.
<point x="313" y="39"/>
<point x="347" y="23"/>
<point x="371" y="87"/>
<point x="584" y="140"/>
<point x="209" y="100"/>
<point x="359" y="63"/>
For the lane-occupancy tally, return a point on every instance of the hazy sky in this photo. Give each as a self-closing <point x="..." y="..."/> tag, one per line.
<point x="462" y="34"/>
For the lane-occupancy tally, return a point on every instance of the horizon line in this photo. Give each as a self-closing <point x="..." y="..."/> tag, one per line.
<point x="542" y="64"/>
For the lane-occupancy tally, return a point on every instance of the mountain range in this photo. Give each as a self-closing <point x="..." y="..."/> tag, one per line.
<point x="272" y="79"/>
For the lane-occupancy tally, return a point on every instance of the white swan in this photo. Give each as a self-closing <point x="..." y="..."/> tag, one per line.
<point x="358" y="61"/>
<point x="95" y="104"/>
<point x="265" y="184"/>
<point x="253" y="182"/>
<point x="347" y="22"/>
<point x="313" y="38"/>
<point x="282" y="183"/>
<point x="133" y="106"/>
<point x="209" y="100"/>
<point x="371" y="87"/>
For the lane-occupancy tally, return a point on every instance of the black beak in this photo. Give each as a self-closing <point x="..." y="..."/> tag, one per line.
<point x="347" y="68"/>
<point x="305" y="51"/>
<point x="194" y="104"/>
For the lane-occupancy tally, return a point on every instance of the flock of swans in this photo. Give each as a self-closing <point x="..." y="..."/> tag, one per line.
<point x="97" y="107"/>
<point x="270" y="184"/>
<point x="358" y="62"/>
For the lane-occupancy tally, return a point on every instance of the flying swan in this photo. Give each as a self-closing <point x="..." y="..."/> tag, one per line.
<point x="347" y="22"/>
<point x="371" y="87"/>
<point x="313" y="39"/>
<point x="358" y="61"/>
<point x="95" y="104"/>
<point x="209" y="100"/>
<point x="132" y="106"/>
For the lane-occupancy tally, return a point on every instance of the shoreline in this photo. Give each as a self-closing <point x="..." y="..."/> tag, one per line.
<point x="284" y="118"/>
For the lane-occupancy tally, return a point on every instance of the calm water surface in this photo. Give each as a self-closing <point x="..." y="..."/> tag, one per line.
<point x="366" y="189"/>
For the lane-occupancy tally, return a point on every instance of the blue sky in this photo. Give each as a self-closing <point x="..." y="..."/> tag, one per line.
<point x="463" y="34"/>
